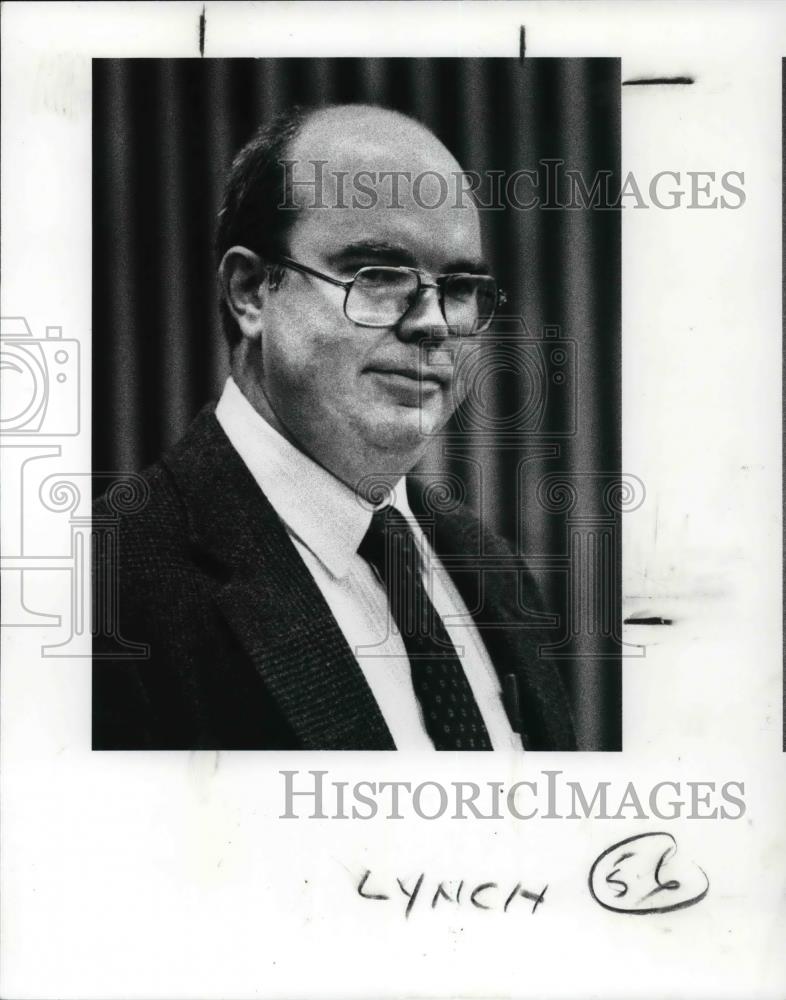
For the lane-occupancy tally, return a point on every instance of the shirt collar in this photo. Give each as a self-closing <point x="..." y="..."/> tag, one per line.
<point x="320" y="510"/>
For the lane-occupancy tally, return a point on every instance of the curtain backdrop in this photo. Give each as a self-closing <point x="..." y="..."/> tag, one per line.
<point x="541" y="446"/>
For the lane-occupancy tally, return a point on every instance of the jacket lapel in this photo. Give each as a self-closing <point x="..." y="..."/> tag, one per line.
<point x="495" y="597"/>
<point x="270" y="600"/>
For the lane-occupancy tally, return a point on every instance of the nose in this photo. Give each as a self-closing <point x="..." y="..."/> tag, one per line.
<point x="424" y="317"/>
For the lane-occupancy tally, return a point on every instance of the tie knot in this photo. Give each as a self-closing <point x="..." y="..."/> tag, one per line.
<point x="388" y="540"/>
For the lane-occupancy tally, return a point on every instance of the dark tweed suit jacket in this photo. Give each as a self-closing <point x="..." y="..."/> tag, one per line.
<point x="243" y="650"/>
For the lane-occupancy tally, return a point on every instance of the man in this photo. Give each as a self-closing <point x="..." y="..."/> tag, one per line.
<point x="287" y="593"/>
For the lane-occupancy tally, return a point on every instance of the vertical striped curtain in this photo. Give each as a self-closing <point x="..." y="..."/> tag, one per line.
<point x="164" y="134"/>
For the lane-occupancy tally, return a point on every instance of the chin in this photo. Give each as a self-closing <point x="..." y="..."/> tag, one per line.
<point x="404" y="432"/>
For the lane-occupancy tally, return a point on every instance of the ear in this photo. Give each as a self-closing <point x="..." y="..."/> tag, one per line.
<point x="242" y="277"/>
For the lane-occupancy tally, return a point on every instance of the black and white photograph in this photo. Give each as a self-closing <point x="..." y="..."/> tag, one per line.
<point x="272" y="592"/>
<point x="392" y="376"/>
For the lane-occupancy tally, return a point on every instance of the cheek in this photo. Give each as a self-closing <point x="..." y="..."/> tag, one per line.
<point x="306" y="356"/>
<point x="463" y="371"/>
<point x="457" y="393"/>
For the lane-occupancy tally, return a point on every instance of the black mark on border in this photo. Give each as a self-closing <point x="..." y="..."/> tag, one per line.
<point x="659" y="80"/>
<point x="202" y="26"/>
<point x="657" y="620"/>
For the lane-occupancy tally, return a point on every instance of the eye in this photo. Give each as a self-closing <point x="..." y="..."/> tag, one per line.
<point x="463" y="286"/>
<point x="380" y="277"/>
<point x="389" y="281"/>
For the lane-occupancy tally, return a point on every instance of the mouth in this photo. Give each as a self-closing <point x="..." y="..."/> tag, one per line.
<point x="416" y="377"/>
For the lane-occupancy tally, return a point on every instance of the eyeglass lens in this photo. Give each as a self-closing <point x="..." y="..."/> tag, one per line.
<point x="380" y="296"/>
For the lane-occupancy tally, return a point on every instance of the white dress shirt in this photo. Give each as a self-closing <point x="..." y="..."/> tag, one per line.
<point x="326" y="523"/>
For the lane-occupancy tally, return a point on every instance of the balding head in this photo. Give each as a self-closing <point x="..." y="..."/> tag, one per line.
<point x="367" y="254"/>
<point x="368" y="126"/>
<point x="356" y="155"/>
<point x="359" y="137"/>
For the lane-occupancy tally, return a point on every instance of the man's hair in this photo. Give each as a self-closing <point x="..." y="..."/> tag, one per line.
<point x="255" y="188"/>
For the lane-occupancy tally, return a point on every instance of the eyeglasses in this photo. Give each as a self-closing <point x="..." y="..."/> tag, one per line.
<point x="380" y="296"/>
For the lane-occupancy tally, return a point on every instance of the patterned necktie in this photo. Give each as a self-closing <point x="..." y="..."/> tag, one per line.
<point x="450" y="712"/>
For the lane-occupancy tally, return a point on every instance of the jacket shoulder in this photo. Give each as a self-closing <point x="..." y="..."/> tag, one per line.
<point x="145" y="515"/>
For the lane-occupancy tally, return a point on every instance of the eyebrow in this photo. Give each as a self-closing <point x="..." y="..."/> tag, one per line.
<point x="383" y="251"/>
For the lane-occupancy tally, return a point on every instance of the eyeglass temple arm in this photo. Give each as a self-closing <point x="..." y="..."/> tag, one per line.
<point x="310" y="270"/>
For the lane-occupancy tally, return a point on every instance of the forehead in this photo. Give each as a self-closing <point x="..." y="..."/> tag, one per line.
<point x="381" y="182"/>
